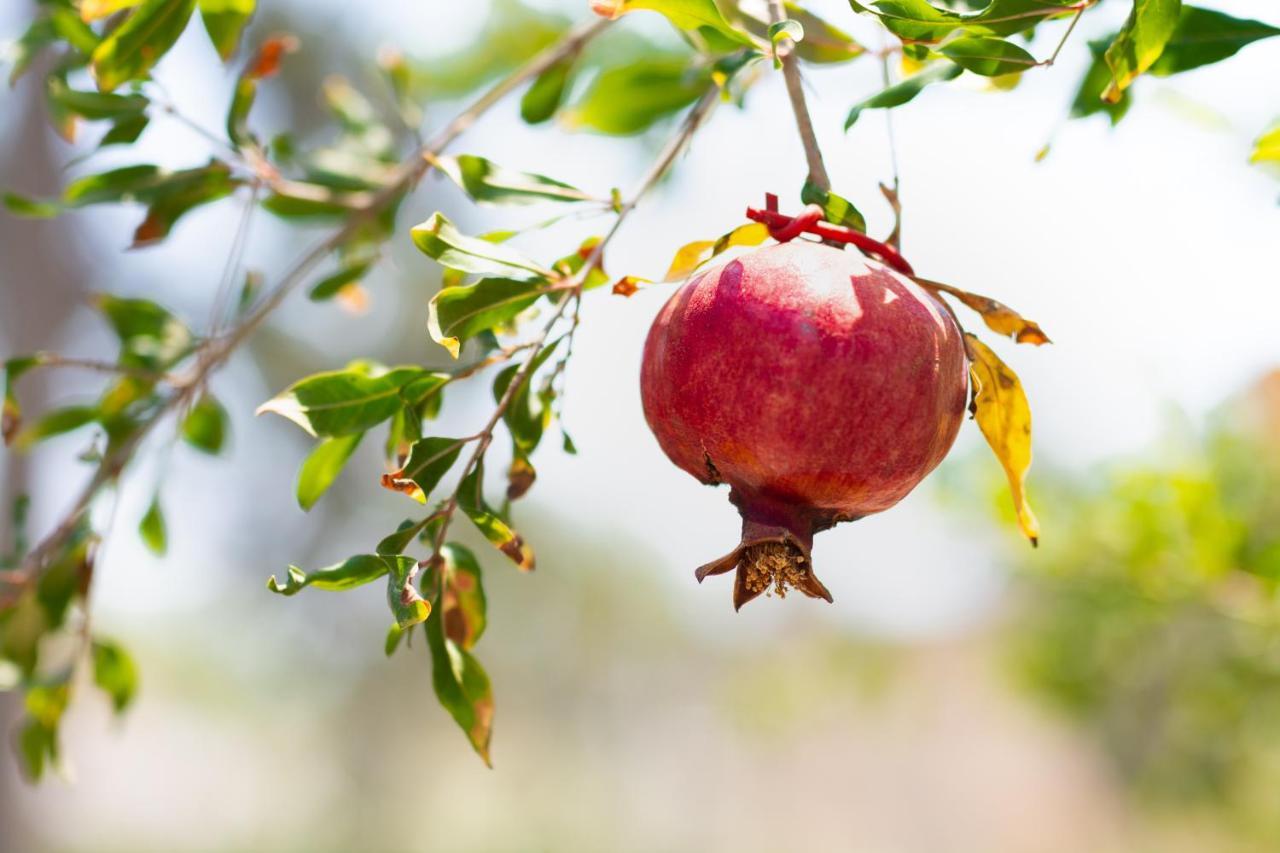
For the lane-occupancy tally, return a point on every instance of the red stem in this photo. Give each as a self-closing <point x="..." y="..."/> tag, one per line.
<point x="783" y="228"/>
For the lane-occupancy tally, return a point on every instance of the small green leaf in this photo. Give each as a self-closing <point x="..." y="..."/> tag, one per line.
<point x="836" y="209"/>
<point x="1139" y="43"/>
<point x="500" y="535"/>
<point x="407" y="605"/>
<point x="37" y="741"/>
<point x="224" y="20"/>
<point x="323" y="465"/>
<point x="95" y="106"/>
<point x="125" y="131"/>
<point x="1088" y="99"/>
<point x="921" y="21"/>
<point x="462" y="687"/>
<point x="114" y="672"/>
<point x="630" y="98"/>
<point x="350" y="573"/>
<point x="56" y="422"/>
<point x="133" y="48"/>
<point x="787" y="29"/>
<point x="528" y="415"/>
<point x="904" y="92"/>
<point x="205" y="427"/>
<point x="394" y="635"/>
<point x="30" y="208"/>
<point x="438" y="239"/>
<point x="342" y="402"/>
<point x="546" y="94"/>
<point x="987" y="56"/>
<point x="396" y="543"/>
<point x="150" y="337"/>
<point x="488" y="183"/>
<point x="686" y="15"/>
<point x="429" y="460"/>
<point x="330" y="286"/>
<point x="153" y="530"/>
<point x="458" y="313"/>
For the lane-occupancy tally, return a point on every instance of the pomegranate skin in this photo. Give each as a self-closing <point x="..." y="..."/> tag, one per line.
<point x="820" y="385"/>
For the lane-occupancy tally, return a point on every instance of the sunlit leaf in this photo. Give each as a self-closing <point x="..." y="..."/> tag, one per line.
<point x="630" y="98"/>
<point x="1204" y="36"/>
<point x="350" y="573"/>
<point x="527" y="415"/>
<point x="114" y="673"/>
<point x="684" y="14"/>
<point x="835" y="209"/>
<point x="545" y="96"/>
<point x="693" y="255"/>
<point x="1139" y="43"/>
<point x="987" y="56"/>
<point x="1088" y="100"/>
<point x="10" y="411"/>
<point x="999" y="317"/>
<point x="904" y="92"/>
<point x="823" y="43"/>
<point x="471" y="501"/>
<point x="921" y="21"/>
<point x="93" y="10"/>
<point x="487" y="182"/>
<point x="438" y="239"/>
<point x="205" y="427"/>
<point x="458" y="313"/>
<point x="150" y="336"/>
<point x="224" y="20"/>
<point x="56" y="422"/>
<point x="407" y="604"/>
<point x="322" y="466"/>
<point x="134" y="47"/>
<point x="342" y="402"/>
<point x="1267" y="147"/>
<point x="153" y="530"/>
<point x="30" y="208"/>
<point x="1000" y="407"/>
<point x="462" y="605"/>
<point x="37" y="740"/>
<point x="428" y="461"/>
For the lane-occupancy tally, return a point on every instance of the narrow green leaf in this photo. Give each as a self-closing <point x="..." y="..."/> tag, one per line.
<point x="331" y="285"/>
<point x="1139" y="43"/>
<point x="488" y="183"/>
<point x="95" y="106"/>
<point x="153" y="530"/>
<point x="439" y="239"/>
<point x="1088" y="100"/>
<point x="921" y="21"/>
<point x="546" y="94"/>
<point x="115" y="673"/>
<point x="125" y="131"/>
<point x="458" y="313"/>
<point x="350" y="573"/>
<point x="987" y="56"/>
<point x="1204" y="36"/>
<point x="205" y="427"/>
<point x="836" y="209"/>
<point x="342" y="402"/>
<point x="904" y="92"/>
<point x="56" y="422"/>
<point x="528" y="415"/>
<point x="462" y="687"/>
<point x="471" y="501"/>
<point x="323" y="465"/>
<point x="30" y="208"/>
<point x="394" y="635"/>
<point x="134" y="47"/>
<point x="685" y="14"/>
<point x="630" y="98"/>
<point x="224" y="20"/>
<point x="429" y="460"/>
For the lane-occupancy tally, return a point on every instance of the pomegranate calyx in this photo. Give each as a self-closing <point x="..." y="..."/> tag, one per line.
<point x="785" y="228"/>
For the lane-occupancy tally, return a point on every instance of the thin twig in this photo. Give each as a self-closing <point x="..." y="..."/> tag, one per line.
<point x="573" y="290"/>
<point x="49" y="359"/>
<point x="795" y="91"/>
<point x="216" y="352"/>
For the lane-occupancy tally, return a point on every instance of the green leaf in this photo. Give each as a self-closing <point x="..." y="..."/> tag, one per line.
<point x="10" y="411"/>
<point x="37" y="740"/>
<point x="134" y="47"/>
<point x="429" y="460"/>
<point x="330" y="286"/>
<point x="459" y="313"/>
<point x="438" y="239"/>
<point x="920" y="21"/>
<point x="56" y="422"/>
<point x="224" y="20"/>
<point x="95" y="106"/>
<point x="500" y="535"/>
<point x="488" y="183"/>
<point x="1204" y="36"/>
<point x="178" y="194"/>
<point x="25" y="49"/>
<point x="350" y="573"/>
<point x="630" y="98"/>
<point x="687" y="15"/>
<point x="292" y="207"/>
<point x="407" y="605"/>
<point x="546" y="94"/>
<point x="124" y="184"/>
<point x="30" y="208"/>
<point x="1088" y="100"/>
<point x="904" y="92"/>
<point x="394" y="634"/>
<point x="823" y="43"/>
<point x="835" y="209"/>
<point x="987" y="56"/>
<point x="153" y="530"/>
<point x="462" y="606"/>
<point x="396" y="543"/>
<point x="150" y="337"/>
<point x="787" y="29"/>
<point x="114" y="672"/>
<point x="125" y="131"/>
<point x="1139" y="43"/>
<point x="323" y="465"/>
<point x="525" y="418"/>
<point x="462" y="687"/>
<point x="205" y="427"/>
<point x="342" y="402"/>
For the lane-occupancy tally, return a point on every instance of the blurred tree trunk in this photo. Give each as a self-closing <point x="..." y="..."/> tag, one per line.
<point x="42" y="279"/>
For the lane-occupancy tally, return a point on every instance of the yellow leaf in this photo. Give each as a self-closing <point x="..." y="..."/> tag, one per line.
<point x="92" y="10"/>
<point x="1267" y="148"/>
<point x="1000" y="318"/>
<point x="1001" y="410"/>
<point x="694" y="255"/>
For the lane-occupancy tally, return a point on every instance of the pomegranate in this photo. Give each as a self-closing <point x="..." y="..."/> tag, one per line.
<point x="819" y="384"/>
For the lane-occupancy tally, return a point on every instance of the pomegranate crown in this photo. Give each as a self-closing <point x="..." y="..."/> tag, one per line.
<point x="811" y="220"/>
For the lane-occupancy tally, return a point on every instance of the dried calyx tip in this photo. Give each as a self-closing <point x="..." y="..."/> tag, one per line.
<point x="779" y="565"/>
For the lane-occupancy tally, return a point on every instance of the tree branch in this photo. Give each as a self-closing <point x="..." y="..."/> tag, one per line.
<point x="785" y="49"/>
<point x="573" y="290"/>
<point x="217" y="351"/>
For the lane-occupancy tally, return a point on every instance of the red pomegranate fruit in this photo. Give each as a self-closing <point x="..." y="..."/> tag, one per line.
<point x="819" y="384"/>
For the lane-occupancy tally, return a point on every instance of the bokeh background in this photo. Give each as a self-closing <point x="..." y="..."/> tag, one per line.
<point x="1116" y="690"/>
